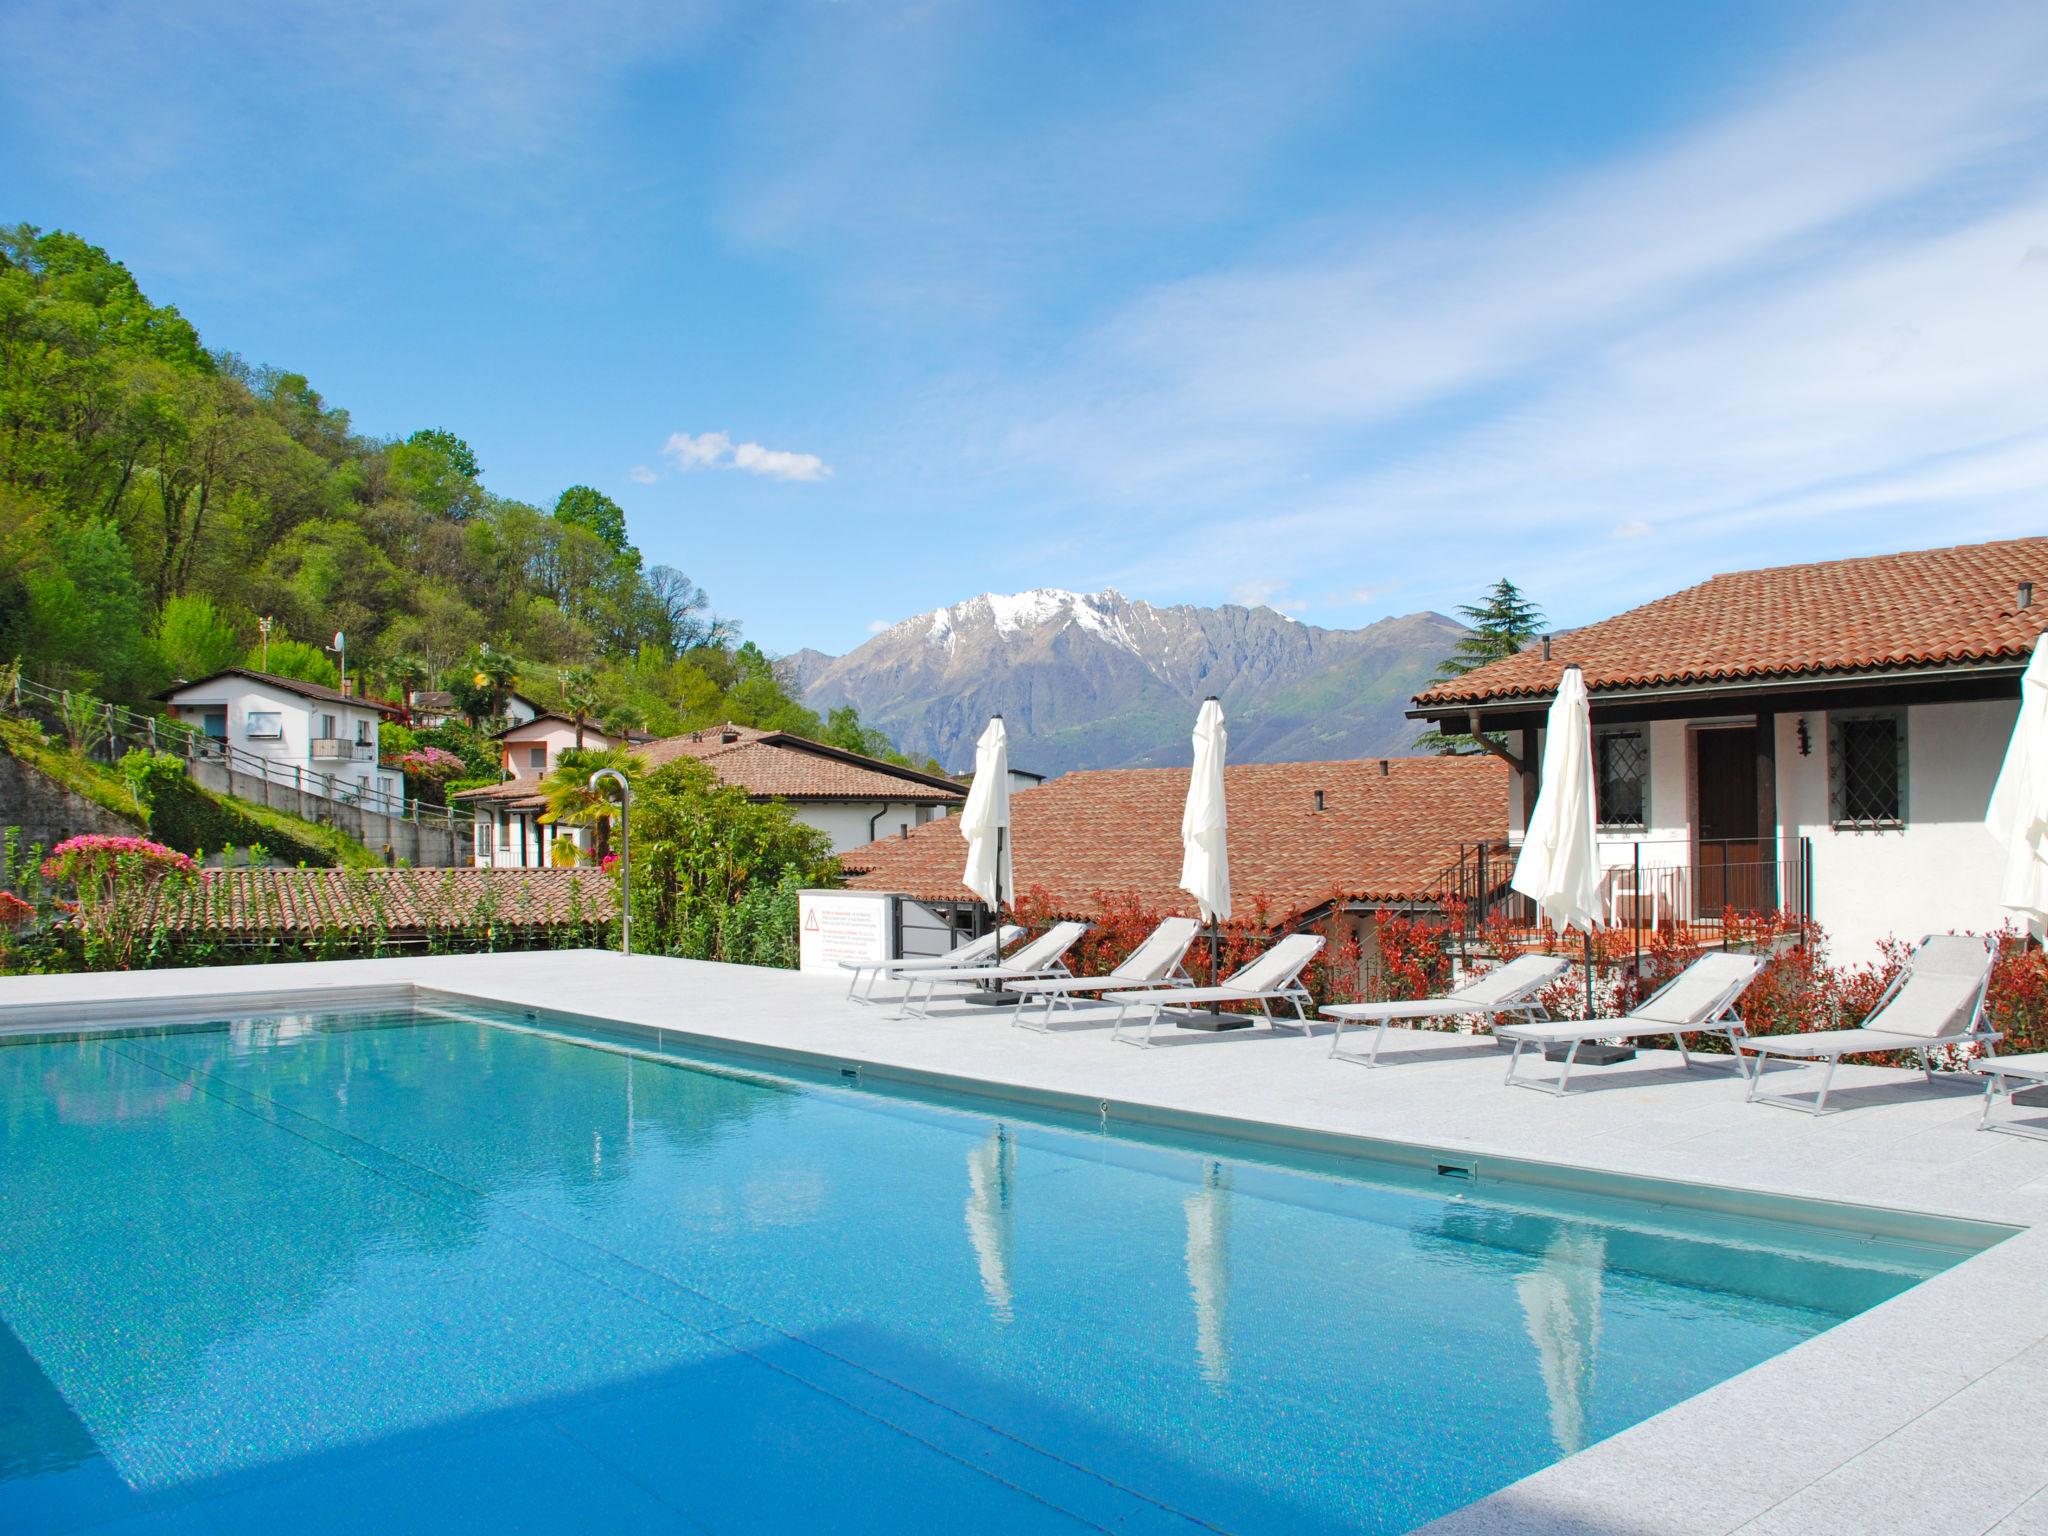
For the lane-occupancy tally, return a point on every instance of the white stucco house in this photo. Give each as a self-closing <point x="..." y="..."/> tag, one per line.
<point x="306" y="735"/>
<point x="853" y="799"/>
<point x="1818" y="740"/>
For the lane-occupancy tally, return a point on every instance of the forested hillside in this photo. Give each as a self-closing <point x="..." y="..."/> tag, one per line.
<point x="157" y="499"/>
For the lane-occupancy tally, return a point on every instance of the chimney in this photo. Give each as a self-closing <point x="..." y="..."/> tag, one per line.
<point x="1383" y="768"/>
<point x="2026" y="594"/>
<point x="1319" y="799"/>
<point x="728" y="736"/>
<point x="1546" y="647"/>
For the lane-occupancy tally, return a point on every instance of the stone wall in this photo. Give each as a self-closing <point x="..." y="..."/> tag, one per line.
<point x="430" y="843"/>
<point x="47" y="812"/>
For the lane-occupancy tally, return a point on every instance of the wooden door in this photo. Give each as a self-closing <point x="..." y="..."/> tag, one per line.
<point x="1729" y="856"/>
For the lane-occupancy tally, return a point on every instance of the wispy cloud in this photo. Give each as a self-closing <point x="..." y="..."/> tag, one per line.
<point x="1821" y="297"/>
<point x="717" y="450"/>
<point x="880" y="626"/>
<point x="640" y="474"/>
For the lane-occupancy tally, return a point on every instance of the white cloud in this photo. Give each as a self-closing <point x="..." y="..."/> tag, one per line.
<point x="880" y="626"/>
<point x="696" y="452"/>
<point x="779" y="464"/>
<point x="640" y="474"/>
<point x="1371" y="592"/>
<point x="717" y="450"/>
<point x="1268" y="593"/>
<point x="1822" y="300"/>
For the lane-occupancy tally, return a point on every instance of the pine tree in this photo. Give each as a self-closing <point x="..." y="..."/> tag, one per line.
<point x="1502" y="623"/>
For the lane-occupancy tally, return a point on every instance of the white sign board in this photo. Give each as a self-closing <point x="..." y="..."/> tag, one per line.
<point x="841" y="925"/>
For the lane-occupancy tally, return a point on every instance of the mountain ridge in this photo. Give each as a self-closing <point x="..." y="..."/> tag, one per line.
<point x="1100" y="680"/>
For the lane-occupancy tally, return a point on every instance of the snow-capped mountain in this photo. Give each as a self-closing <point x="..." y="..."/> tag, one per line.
<point x="1098" y="680"/>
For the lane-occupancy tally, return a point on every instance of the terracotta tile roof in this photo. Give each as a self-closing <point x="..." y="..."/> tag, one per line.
<point x="318" y="692"/>
<point x="1116" y="832"/>
<point x="1887" y="613"/>
<point x="522" y="794"/>
<point x="412" y="901"/>
<point x="781" y="765"/>
<point x="766" y="764"/>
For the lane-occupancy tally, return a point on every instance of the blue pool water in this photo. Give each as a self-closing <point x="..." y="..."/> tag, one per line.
<point x="399" y="1272"/>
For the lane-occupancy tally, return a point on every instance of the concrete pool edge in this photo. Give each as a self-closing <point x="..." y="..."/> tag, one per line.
<point x="1912" y="1416"/>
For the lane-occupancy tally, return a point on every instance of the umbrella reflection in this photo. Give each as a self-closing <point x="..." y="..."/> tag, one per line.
<point x="991" y="1165"/>
<point x="1208" y="1264"/>
<point x="1561" y="1303"/>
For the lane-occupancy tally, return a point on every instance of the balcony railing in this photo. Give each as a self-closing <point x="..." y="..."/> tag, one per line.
<point x="339" y="750"/>
<point x="1689" y="889"/>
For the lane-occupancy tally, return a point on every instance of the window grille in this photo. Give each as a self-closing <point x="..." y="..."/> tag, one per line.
<point x="1867" y="769"/>
<point x="1621" y="763"/>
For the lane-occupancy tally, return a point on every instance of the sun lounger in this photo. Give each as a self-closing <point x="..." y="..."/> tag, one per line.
<point x="1274" y="977"/>
<point x="1509" y="988"/>
<point x="1936" y="999"/>
<point x="1159" y="961"/>
<point x="1699" y="1000"/>
<point x="1043" y="956"/>
<point x="979" y="951"/>
<point x="2005" y="1076"/>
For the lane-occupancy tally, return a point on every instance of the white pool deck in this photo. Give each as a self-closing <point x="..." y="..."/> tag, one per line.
<point x="1920" y="1416"/>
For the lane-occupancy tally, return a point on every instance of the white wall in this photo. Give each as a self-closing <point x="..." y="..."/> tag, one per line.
<point x="539" y="837"/>
<point x="846" y="822"/>
<point x="1941" y="870"/>
<point x="292" y="751"/>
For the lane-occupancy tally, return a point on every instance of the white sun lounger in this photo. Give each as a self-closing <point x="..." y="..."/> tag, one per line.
<point x="1699" y="1000"/>
<point x="1274" y="977"/>
<point x="1159" y="961"/>
<point x="1509" y="988"/>
<point x="2005" y="1076"/>
<point x="1936" y="999"/>
<point x="979" y="951"/>
<point x="1043" y="956"/>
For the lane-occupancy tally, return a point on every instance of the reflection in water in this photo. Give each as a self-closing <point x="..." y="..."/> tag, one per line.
<point x="1561" y="1304"/>
<point x="990" y="1167"/>
<point x="1208" y="1265"/>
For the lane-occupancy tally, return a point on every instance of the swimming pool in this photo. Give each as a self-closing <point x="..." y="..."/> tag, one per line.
<point x="407" y="1270"/>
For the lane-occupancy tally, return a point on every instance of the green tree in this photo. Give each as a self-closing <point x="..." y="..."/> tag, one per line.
<point x="715" y="872"/>
<point x="592" y="510"/>
<point x="571" y="801"/>
<point x="579" y="697"/>
<point x="295" y="658"/>
<point x="194" y="639"/>
<point x="1502" y="623"/>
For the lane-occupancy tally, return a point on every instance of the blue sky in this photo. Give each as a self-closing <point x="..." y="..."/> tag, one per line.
<point x="863" y="307"/>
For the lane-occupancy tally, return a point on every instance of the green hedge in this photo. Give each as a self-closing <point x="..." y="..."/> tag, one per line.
<point x="184" y="816"/>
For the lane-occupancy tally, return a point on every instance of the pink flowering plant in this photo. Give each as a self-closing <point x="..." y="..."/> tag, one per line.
<point x="432" y="765"/>
<point x="119" y="884"/>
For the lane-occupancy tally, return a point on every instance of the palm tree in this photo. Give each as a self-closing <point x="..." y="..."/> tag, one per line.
<point x="579" y="698"/>
<point x="567" y="788"/>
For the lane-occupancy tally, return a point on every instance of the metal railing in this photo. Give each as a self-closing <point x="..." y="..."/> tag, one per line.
<point x="338" y="749"/>
<point x="105" y="732"/>
<point x="1688" y="887"/>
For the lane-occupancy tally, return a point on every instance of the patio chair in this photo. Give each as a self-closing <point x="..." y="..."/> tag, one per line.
<point x="979" y="951"/>
<point x="1159" y="961"/>
<point x="1509" y="988"/>
<point x="2005" y="1076"/>
<point x="1699" y="1000"/>
<point x="1274" y="977"/>
<point x="1936" y="999"/>
<point x="1043" y="956"/>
